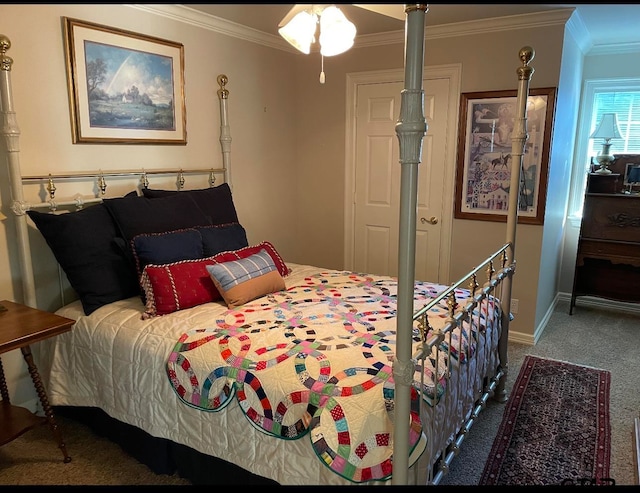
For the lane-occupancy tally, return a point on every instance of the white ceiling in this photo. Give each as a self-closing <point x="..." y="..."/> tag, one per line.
<point x="606" y="24"/>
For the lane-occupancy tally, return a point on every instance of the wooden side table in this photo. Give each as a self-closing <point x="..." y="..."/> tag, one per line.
<point x="20" y="326"/>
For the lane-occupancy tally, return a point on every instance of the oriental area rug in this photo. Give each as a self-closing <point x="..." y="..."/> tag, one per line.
<point x="555" y="429"/>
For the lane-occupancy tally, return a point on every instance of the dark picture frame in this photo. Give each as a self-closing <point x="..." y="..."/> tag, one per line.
<point x="124" y="87"/>
<point x="483" y="170"/>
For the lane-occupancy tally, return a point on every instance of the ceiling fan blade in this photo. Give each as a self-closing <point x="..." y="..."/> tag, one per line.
<point x="296" y="9"/>
<point x="390" y="10"/>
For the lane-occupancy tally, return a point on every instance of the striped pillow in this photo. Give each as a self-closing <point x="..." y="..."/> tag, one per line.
<point x="244" y="280"/>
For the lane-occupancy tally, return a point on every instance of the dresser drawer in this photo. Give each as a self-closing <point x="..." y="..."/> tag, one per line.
<point x="611" y="217"/>
<point x="617" y="253"/>
<point x="613" y="281"/>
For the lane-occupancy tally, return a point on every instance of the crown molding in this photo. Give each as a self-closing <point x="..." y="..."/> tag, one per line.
<point x="496" y="24"/>
<point x="614" y="49"/>
<point x="576" y="27"/>
<point x="481" y="26"/>
<point x="215" y="24"/>
<point x="467" y="28"/>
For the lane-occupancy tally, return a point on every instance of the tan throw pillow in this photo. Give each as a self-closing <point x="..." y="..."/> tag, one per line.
<point x="244" y="280"/>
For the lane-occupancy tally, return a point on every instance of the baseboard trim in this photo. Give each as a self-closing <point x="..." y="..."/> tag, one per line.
<point x="601" y="303"/>
<point x="590" y="301"/>
<point x="637" y="454"/>
<point x="531" y="340"/>
<point x="521" y="338"/>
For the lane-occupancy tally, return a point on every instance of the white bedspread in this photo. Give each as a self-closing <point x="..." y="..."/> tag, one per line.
<point x="118" y="362"/>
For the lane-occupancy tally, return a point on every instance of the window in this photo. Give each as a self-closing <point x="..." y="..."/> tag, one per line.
<point x="620" y="96"/>
<point x="626" y="105"/>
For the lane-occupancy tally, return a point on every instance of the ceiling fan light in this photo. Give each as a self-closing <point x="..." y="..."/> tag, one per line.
<point x="337" y="33"/>
<point x="300" y="31"/>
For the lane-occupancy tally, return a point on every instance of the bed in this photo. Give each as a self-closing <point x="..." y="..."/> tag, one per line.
<point x="202" y="354"/>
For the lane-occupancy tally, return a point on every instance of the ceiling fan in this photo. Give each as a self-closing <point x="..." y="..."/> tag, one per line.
<point x="395" y="10"/>
<point x="336" y="33"/>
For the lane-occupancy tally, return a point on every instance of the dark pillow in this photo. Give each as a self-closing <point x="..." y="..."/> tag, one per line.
<point x="222" y="237"/>
<point x="215" y="202"/>
<point x="83" y="244"/>
<point x="137" y="215"/>
<point x="165" y="248"/>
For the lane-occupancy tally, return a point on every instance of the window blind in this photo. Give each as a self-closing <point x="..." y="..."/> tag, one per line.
<point x="626" y="105"/>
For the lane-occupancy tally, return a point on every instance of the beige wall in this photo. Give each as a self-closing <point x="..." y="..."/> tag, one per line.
<point x="261" y="81"/>
<point x="288" y="131"/>
<point x="321" y="160"/>
<point x="262" y="116"/>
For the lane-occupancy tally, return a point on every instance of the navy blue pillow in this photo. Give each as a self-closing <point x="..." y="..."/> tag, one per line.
<point x="138" y="215"/>
<point x="83" y="243"/>
<point x="215" y="202"/>
<point x="223" y="238"/>
<point x="165" y="248"/>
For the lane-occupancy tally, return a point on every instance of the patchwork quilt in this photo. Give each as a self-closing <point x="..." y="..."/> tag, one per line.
<point x="296" y="387"/>
<point x="314" y="362"/>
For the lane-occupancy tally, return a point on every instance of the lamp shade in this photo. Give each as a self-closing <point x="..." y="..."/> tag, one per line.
<point x="299" y="26"/>
<point x="607" y="128"/>
<point x="336" y="32"/>
<point x="300" y="31"/>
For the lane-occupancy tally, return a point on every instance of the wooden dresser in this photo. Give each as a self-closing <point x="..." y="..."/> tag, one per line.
<point x="608" y="257"/>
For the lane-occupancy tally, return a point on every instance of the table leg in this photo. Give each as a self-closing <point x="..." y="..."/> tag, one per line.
<point x="37" y="382"/>
<point x="4" y="391"/>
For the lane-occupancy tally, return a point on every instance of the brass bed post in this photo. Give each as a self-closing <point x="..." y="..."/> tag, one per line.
<point x="410" y="130"/>
<point x="11" y="133"/>
<point x="225" y="133"/>
<point x="518" y="142"/>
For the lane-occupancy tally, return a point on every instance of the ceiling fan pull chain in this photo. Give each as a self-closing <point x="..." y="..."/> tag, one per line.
<point x="322" y="70"/>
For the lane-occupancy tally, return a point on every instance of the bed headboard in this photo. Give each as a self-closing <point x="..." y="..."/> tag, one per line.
<point x="53" y="192"/>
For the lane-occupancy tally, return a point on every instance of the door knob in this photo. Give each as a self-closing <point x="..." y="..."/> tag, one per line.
<point x="431" y="220"/>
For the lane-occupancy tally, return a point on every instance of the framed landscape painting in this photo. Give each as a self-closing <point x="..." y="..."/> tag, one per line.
<point x="124" y="87"/>
<point x="484" y="163"/>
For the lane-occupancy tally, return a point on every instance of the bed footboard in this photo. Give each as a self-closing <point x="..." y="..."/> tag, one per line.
<point x="466" y="352"/>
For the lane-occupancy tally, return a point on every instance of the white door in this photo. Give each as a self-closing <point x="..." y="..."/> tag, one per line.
<point x="377" y="179"/>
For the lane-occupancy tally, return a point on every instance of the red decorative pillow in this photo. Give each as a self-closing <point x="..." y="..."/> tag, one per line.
<point x="172" y="287"/>
<point x="185" y="284"/>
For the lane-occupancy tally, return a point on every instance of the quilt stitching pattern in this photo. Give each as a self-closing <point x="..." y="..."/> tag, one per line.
<point x="315" y="359"/>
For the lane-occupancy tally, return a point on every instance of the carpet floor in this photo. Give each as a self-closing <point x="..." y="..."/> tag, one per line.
<point x="555" y="429"/>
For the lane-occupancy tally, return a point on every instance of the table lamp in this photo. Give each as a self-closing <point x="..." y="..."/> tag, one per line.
<point x="607" y="129"/>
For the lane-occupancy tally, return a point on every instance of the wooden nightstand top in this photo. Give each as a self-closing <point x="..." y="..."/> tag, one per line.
<point x="21" y="325"/>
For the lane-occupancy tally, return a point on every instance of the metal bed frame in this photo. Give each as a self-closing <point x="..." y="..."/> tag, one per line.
<point x="411" y="128"/>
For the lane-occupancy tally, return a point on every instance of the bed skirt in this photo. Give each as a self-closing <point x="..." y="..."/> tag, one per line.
<point x="160" y="455"/>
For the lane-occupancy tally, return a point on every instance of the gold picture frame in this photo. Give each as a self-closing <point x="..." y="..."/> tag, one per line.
<point x="484" y="155"/>
<point x="124" y="87"/>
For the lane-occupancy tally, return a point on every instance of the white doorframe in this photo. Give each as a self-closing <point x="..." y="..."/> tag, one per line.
<point x="453" y="73"/>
